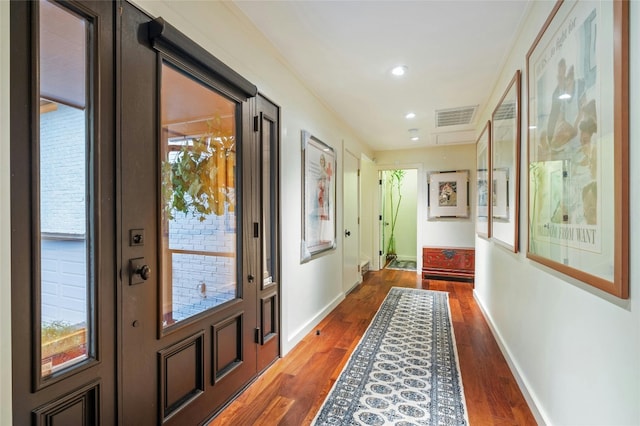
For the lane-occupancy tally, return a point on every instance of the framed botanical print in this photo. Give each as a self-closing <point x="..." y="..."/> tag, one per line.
<point x="578" y="143"/>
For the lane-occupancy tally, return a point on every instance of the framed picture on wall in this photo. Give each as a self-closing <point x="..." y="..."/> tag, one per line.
<point x="483" y="181"/>
<point x="448" y="194"/>
<point x="578" y="143"/>
<point x="505" y="164"/>
<point x="318" y="197"/>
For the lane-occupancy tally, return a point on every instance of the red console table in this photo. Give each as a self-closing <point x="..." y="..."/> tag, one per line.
<point x="448" y="262"/>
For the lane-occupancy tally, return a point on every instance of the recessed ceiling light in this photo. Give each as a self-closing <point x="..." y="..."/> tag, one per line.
<point x="415" y="138"/>
<point x="410" y="115"/>
<point x="399" y="70"/>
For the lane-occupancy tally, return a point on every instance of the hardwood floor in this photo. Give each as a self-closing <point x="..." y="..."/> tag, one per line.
<point x="292" y="390"/>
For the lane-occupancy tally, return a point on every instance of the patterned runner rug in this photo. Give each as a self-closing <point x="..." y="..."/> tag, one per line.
<point x="405" y="369"/>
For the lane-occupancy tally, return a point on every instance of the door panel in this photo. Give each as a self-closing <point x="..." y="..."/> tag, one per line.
<point x="268" y="216"/>
<point x="351" y="237"/>
<point x="62" y="113"/>
<point x="190" y="233"/>
<point x="382" y="221"/>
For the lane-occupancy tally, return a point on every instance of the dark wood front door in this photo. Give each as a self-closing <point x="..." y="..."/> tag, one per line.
<point x="199" y="306"/>
<point x="144" y="215"/>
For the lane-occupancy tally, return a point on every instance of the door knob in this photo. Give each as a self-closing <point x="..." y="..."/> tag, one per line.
<point x="144" y="271"/>
<point x="139" y="271"/>
<point x="250" y="278"/>
<point x="347" y="233"/>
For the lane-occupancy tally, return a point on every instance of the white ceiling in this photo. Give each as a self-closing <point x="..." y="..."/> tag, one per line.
<point x="344" y="51"/>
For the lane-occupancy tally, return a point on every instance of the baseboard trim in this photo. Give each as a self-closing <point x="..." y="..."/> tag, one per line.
<point x="296" y="337"/>
<point x="522" y="383"/>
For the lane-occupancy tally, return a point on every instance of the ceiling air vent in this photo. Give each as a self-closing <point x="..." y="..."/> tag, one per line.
<point x="455" y="116"/>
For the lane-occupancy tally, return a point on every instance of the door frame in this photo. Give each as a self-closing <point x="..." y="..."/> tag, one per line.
<point x="421" y="200"/>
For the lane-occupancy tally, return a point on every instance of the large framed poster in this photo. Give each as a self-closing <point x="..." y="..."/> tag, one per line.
<point x="318" y="197"/>
<point x="483" y="181"/>
<point x="578" y="143"/>
<point x="505" y="167"/>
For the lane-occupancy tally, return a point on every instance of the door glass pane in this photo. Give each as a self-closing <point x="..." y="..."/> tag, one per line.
<point x="198" y="201"/>
<point x="267" y="222"/>
<point x="66" y="253"/>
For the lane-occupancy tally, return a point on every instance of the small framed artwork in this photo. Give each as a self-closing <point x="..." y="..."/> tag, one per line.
<point x="505" y="163"/>
<point x="448" y="194"/>
<point x="318" y="197"/>
<point x="483" y="182"/>
<point x="578" y="143"/>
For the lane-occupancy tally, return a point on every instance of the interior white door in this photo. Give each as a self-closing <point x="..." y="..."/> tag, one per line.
<point x="351" y="236"/>
<point x="382" y="253"/>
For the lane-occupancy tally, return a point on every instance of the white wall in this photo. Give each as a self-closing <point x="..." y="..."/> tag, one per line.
<point x="576" y="349"/>
<point x="309" y="291"/>
<point x="5" y="229"/>
<point x="459" y="232"/>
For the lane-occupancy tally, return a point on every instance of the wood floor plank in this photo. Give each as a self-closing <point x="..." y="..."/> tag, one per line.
<point x="293" y="389"/>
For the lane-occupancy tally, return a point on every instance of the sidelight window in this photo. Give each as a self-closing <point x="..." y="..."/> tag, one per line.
<point x="64" y="222"/>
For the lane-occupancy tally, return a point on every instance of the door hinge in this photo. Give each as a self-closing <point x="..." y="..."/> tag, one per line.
<point x="358" y="172"/>
<point x="380" y="217"/>
<point x="257" y="335"/>
<point x="380" y="182"/>
<point x="256" y="123"/>
<point x="380" y="253"/>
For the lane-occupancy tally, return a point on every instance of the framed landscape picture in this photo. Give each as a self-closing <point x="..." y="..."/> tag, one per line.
<point x="505" y="165"/>
<point x="578" y="143"/>
<point x="483" y="181"/>
<point x="448" y="194"/>
<point x="318" y="197"/>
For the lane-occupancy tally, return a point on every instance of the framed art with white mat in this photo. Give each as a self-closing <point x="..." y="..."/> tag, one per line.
<point x="578" y="143"/>
<point x="505" y="166"/>
<point x="448" y="194"/>
<point x="483" y="181"/>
